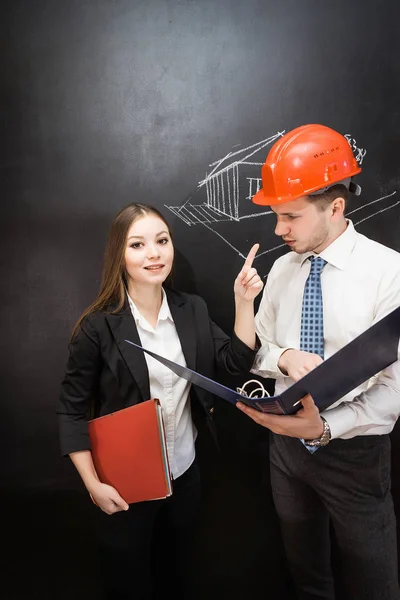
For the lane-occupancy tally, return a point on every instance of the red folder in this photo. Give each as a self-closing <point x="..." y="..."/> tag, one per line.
<point x="129" y="452"/>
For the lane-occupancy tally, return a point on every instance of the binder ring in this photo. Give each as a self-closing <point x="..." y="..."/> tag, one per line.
<point x="259" y="388"/>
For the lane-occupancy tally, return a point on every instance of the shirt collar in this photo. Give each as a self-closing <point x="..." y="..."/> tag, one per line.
<point x="163" y="315"/>
<point x="165" y="312"/>
<point x="338" y="252"/>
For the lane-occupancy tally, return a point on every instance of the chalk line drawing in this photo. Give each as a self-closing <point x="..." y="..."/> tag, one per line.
<point x="359" y="152"/>
<point x="235" y="179"/>
<point x="223" y="187"/>
<point x="378" y="211"/>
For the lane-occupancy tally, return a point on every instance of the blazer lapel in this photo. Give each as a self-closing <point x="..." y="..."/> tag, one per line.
<point x="123" y="328"/>
<point x="182" y="314"/>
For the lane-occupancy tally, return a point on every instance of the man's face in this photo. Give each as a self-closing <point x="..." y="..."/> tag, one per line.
<point x="303" y="226"/>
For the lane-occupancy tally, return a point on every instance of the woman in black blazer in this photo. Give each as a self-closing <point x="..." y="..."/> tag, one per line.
<point x="105" y="374"/>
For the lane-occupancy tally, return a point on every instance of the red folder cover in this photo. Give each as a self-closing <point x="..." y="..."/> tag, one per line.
<point x="129" y="452"/>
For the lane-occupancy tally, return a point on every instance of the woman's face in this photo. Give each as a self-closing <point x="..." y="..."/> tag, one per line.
<point x="149" y="252"/>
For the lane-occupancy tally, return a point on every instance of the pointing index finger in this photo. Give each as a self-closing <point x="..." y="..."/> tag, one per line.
<point x="251" y="255"/>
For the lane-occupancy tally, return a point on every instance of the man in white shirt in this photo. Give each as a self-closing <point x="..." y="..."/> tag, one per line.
<point x="330" y="472"/>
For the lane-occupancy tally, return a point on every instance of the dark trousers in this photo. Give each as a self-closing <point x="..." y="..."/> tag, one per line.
<point x="344" y="489"/>
<point x="147" y="550"/>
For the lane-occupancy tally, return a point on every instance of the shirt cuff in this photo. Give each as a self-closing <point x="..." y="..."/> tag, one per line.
<point x="266" y="362"/>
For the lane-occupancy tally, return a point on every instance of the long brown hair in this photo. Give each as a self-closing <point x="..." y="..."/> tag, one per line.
<point x="111" y="296"/>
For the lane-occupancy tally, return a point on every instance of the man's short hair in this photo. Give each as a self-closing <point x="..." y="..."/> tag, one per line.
<point x="322" y="201"/>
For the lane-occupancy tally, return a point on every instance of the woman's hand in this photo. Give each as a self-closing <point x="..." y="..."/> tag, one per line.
<point x="248" y="283"/>
<point x="107" y="498"/>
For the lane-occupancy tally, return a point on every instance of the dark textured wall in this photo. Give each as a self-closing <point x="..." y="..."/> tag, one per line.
<point x="112" y="101"/>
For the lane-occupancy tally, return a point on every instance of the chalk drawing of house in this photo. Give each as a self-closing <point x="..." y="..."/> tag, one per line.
<point x="229" y="187"/>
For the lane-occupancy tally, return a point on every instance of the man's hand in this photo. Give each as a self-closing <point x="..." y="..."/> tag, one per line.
<point x="297" y="363"/>
<point x="248" y="283"/>
<point x="305" y="424"/>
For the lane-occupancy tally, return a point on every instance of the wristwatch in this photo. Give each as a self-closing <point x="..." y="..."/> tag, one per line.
<point x="325" y="437"/>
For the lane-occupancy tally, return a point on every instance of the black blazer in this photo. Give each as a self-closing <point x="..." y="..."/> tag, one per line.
<point x="104" y="373"/>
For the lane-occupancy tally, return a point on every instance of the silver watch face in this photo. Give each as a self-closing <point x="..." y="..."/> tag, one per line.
<point x="325" y="437"/>
<point x="324" y="441"/>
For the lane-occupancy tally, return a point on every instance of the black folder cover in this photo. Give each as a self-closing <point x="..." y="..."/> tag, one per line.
<point x="355" y="363"/>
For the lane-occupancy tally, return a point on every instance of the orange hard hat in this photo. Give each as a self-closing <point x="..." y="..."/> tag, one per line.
<point x="308" y="159"/>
